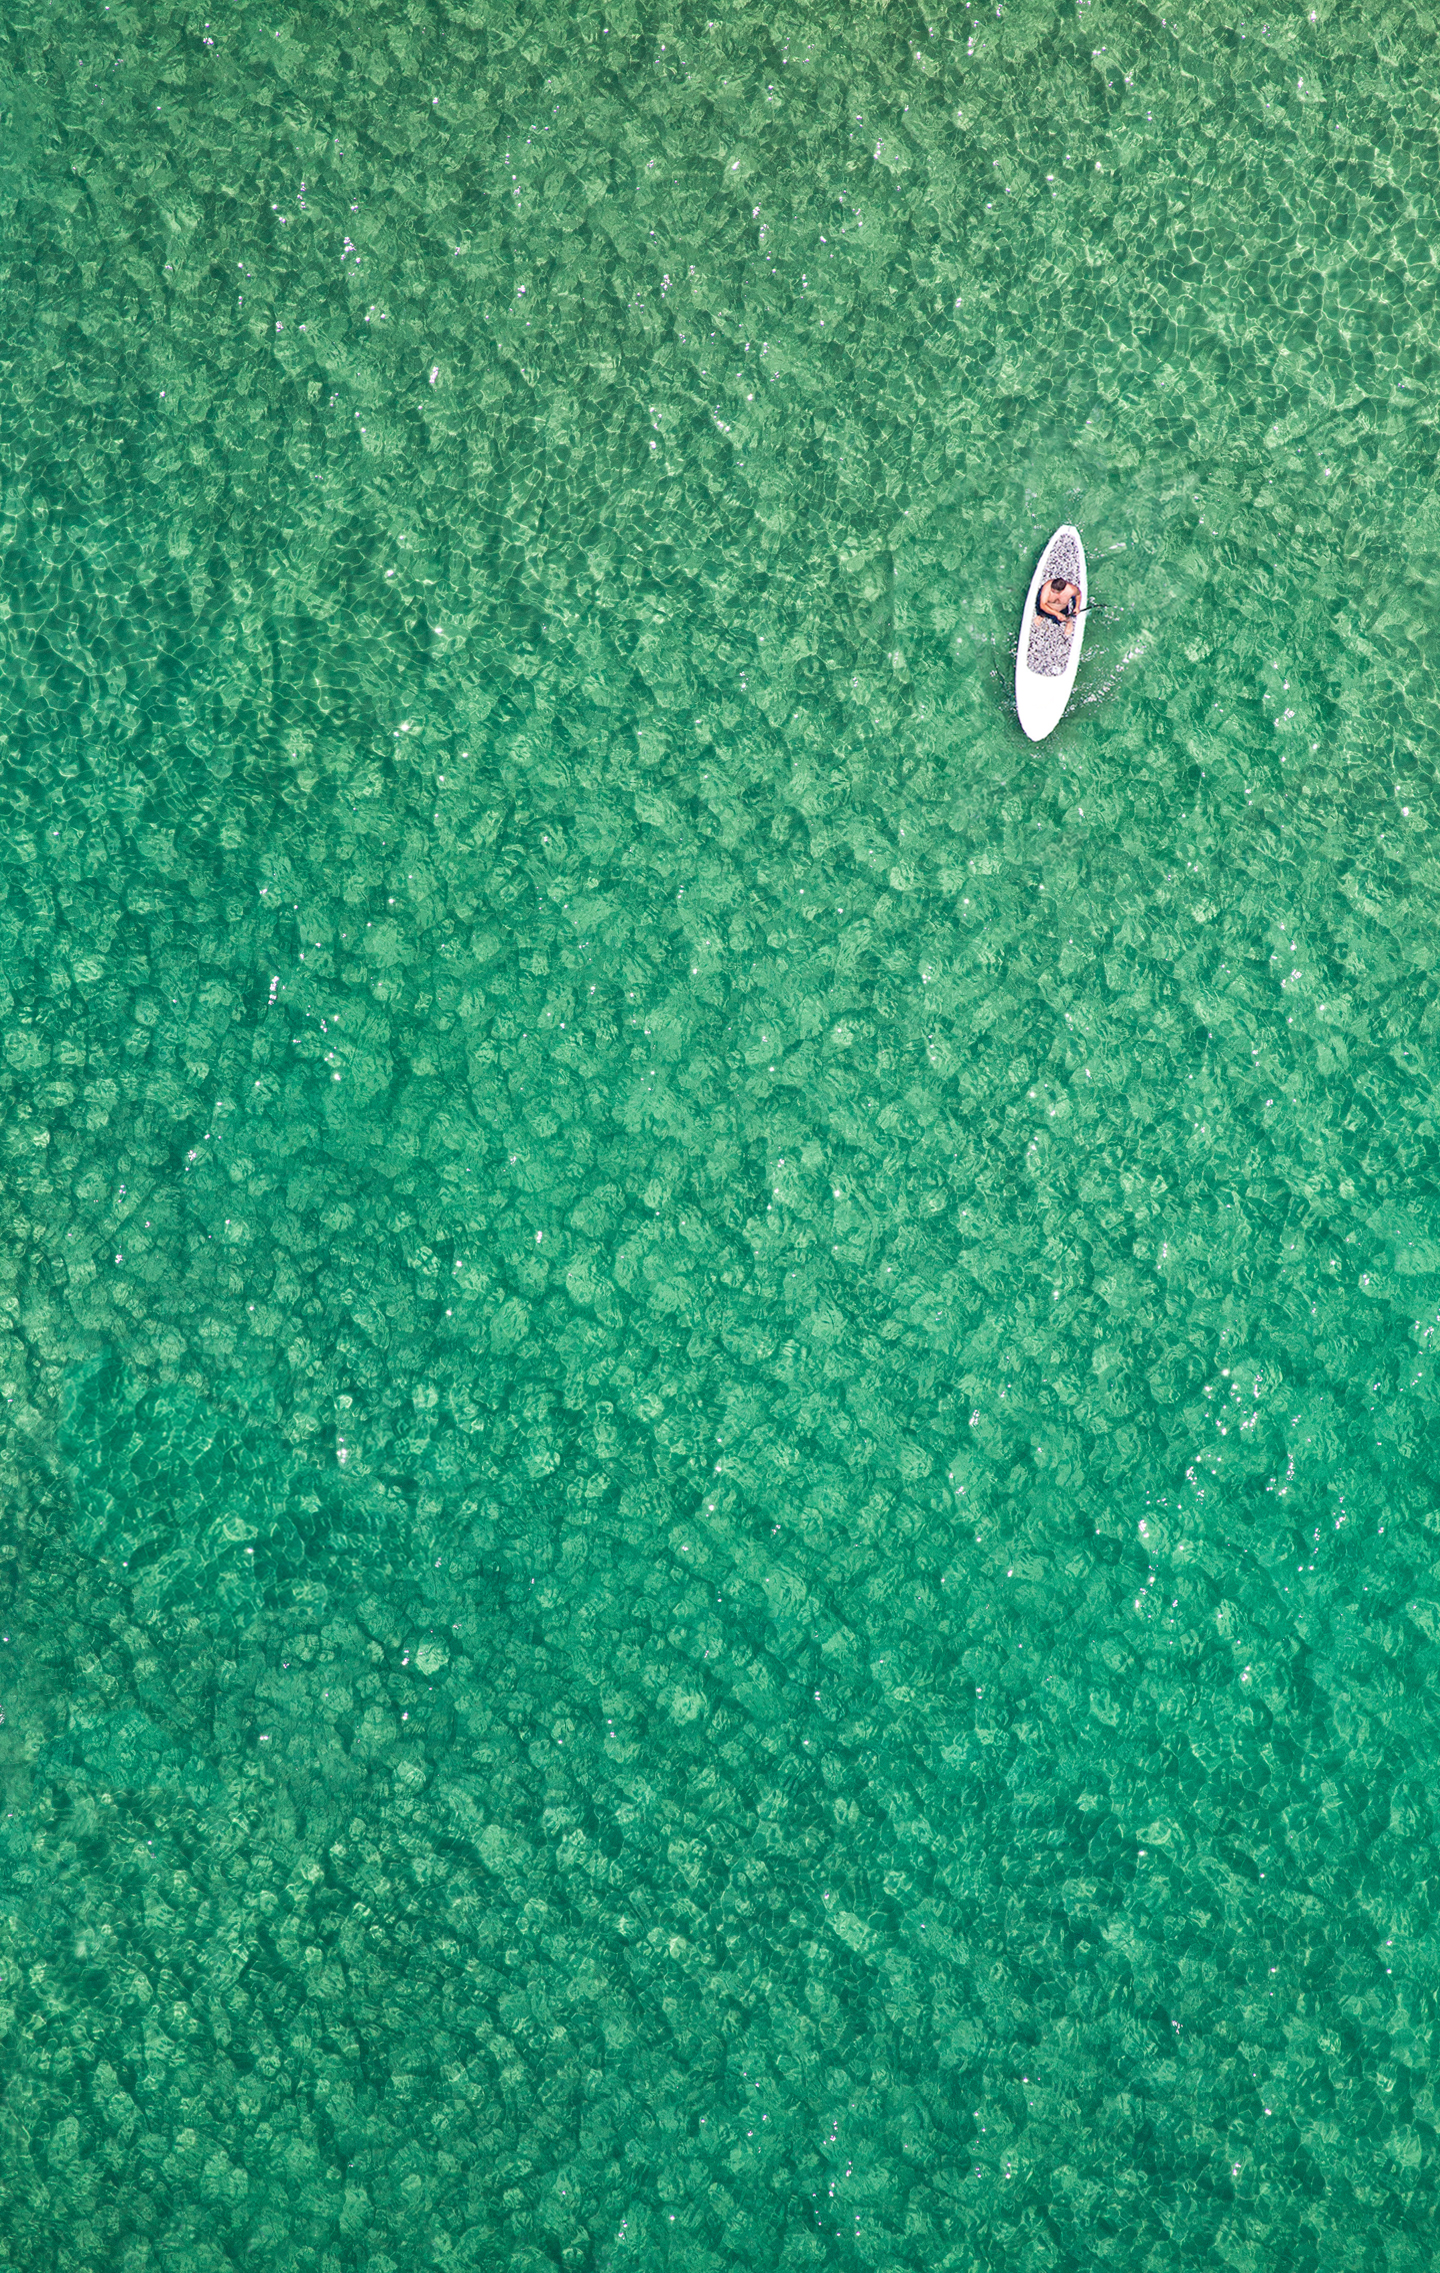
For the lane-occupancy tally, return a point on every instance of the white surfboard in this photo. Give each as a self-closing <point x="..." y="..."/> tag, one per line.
<point x="1046" y="661"/>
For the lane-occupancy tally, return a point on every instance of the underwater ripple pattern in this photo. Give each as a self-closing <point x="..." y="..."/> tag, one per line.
<point x="719" y="1459"/>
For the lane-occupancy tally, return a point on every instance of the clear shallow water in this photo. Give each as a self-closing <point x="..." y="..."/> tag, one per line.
<point x="719" y="1459"/>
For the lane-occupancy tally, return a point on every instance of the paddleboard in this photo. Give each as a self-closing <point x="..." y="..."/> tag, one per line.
<point x="1046" y="661"/>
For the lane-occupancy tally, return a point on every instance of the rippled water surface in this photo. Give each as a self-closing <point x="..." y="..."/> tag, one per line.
<point x="720" y="1480"/>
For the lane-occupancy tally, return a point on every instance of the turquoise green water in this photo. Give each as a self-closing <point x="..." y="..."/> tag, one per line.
<point x="721" y="1501"/>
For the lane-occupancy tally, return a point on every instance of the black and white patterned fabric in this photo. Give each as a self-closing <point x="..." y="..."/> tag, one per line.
<point x="1048" y="653"/>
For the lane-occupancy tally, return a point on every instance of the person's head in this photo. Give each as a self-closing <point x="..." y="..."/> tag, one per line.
<point x="1056" y="587"/>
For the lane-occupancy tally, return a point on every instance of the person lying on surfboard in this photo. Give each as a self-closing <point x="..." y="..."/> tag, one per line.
<point x="1056" y="603"/>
